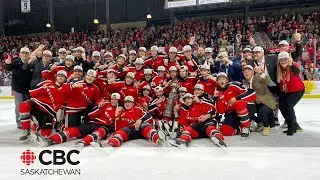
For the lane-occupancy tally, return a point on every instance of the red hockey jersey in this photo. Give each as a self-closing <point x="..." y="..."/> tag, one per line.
<point x="128" y="117"/>
<point x="196" y="110"/>
<point x="157" y="110"/>
<point x="154" y="63"/>
<point x="50" y="75"/>
<point x="79" y="98"/>
<point x="124" y="90"/>
<point x="233" y="90"/>
<point x="47" y="96"/>
<point x="209" y="85"/>
<point x="105" y="115"/>
<point x="188" y="83"/>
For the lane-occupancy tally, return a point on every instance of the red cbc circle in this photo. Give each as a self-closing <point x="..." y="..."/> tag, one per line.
<point x="28" y="157"/>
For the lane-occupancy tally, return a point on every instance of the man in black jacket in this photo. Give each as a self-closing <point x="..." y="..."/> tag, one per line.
<point x="20" y="79"/>
<point x="79" y="59"/>
<point x="285" y="47"/>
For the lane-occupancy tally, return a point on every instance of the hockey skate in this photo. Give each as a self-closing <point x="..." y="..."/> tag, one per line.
<point x="172" y="129"/>
<point x="218" y="142"/>
<point x="178" y="143"/>
<point x="25" y="135"/>
<point x="162" y="137"/>
<point x="40" y="141"/>
<point x="244" y="133"/>
<point x="80" y="145"/>
<point x="95" y="144"/>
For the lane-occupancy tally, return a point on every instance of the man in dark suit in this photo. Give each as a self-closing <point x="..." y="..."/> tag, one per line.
<point x="268" y="65"/>
<point x="231" y="68"/>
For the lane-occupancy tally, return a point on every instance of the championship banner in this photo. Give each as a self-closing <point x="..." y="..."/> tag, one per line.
<point x="201" y="2"/>
<point x="180" y="3"/>
<point x="25" y="6"/>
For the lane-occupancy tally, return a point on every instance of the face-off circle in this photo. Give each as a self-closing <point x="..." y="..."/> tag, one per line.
<point x="28" y="157"/>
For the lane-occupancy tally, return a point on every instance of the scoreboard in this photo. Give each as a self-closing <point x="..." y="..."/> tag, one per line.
<point x="183" y="3"/>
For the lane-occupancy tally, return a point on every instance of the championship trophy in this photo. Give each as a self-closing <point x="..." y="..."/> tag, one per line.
<point x="168" y="125"/>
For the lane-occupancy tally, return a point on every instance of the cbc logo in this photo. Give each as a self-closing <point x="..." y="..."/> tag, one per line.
<point x="28" y="157"/>
<point x="50" y="157"/>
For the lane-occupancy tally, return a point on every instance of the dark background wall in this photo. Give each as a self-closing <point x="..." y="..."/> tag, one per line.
<point x="81" y="13"/>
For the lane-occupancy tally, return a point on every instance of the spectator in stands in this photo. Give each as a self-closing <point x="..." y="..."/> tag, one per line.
<point x="20" y="80"/>
<point x="291" y="90"/>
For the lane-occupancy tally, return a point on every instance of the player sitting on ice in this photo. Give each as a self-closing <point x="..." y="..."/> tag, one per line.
<point x="81" y="98"/>
<point x="200" y="115"/>
<point x="232" y="101"/>
<point x="45" y="101"/>
<point x="133" y="123"/>
<point x="98" y="125"/>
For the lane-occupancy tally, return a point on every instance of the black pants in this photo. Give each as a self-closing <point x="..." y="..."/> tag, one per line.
<point x="287" y="101"/>
<point x="265" y="115"/>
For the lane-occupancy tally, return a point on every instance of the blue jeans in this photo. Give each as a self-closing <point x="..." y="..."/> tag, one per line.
<point x="19" y="98"/>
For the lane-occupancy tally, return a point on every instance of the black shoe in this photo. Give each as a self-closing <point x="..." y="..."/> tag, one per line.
<point x="289" y="131"/>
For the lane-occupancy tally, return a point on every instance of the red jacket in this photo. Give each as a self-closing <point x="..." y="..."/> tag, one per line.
<point x="139" y="75"/>
<point x="128" y="117"/>
<point x="233" y="90"/>
<point x="49" y="98"/>
<point x="295" y="83"/>
<point x="80" y="98"/>
<point x="209" y="85"/>
<point x="196" y="110"/>
<point x="154" y="63"/>
<point x="50" y="75"/>
<point x="157" y="111"/>
<point x="188" y="83"/>
<point x="158" y="81"/>
<point x="124" y="90"/>
<point x="105" y="115"/>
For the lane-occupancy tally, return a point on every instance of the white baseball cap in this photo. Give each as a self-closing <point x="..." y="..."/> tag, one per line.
<point x="92" y="72"/>
<point x="62" y="72"/>
<point x="187" y="95"/>
<point x="284" y="42"/>
<point x="148" y="71"/>
<point x="158" y="89"/>
<point x="258" y="49"/>
<point x="283" y="55"/>
<point x="182" y="89"/>
<point x="122" y="56"/>
<point x="208" y="50"/>
<point x="25" y="49"/>
<point x="130" y="74"/>
<point x="139" y="61"/>
<point x="222" y="74"/>
<point x="247" y="67"/>
<point x="108" y="54"/>
<point x="143" y="49"/>
<point x="129" y="98"/>
<point x="187" y="48"/>
<point x="70" y="57"/>
<point x="173" y="68"/>
<point x="96" y="53"/>
<point x="132" y="52"/>
<point x="223" y="54"/>
<point x="161" y="68"/>
<point x="184" y="67"/>
<point x="173" y="50"/>
<point x="154" y="48"/>
<point x="115" y="96"/>
<point x="246" y="49"/>
<point x="199" y="86"/>
<point x="47" y="52"/>
<point x="62" y="50"/>
<point x="205" y="66"/>
<point x="80" y="49"/>
<point x="78" y="68"/>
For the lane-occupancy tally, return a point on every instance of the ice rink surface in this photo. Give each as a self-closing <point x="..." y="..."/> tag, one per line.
<point x="275" y="157"/>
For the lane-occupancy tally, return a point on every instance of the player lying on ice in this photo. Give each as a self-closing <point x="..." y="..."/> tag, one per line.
<point x="200" y="115"/>
<point x="134" y="123"/>
<point x="231" y="100"/>
<point x="99" y="123"/>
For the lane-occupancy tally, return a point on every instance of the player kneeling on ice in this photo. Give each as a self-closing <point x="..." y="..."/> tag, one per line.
<point x="46" y="100"/>
<point x="201" y="115"/>
<point x="98" y="125"/>
<point x="232" y="101"/>
<point x="133" y="123"/>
